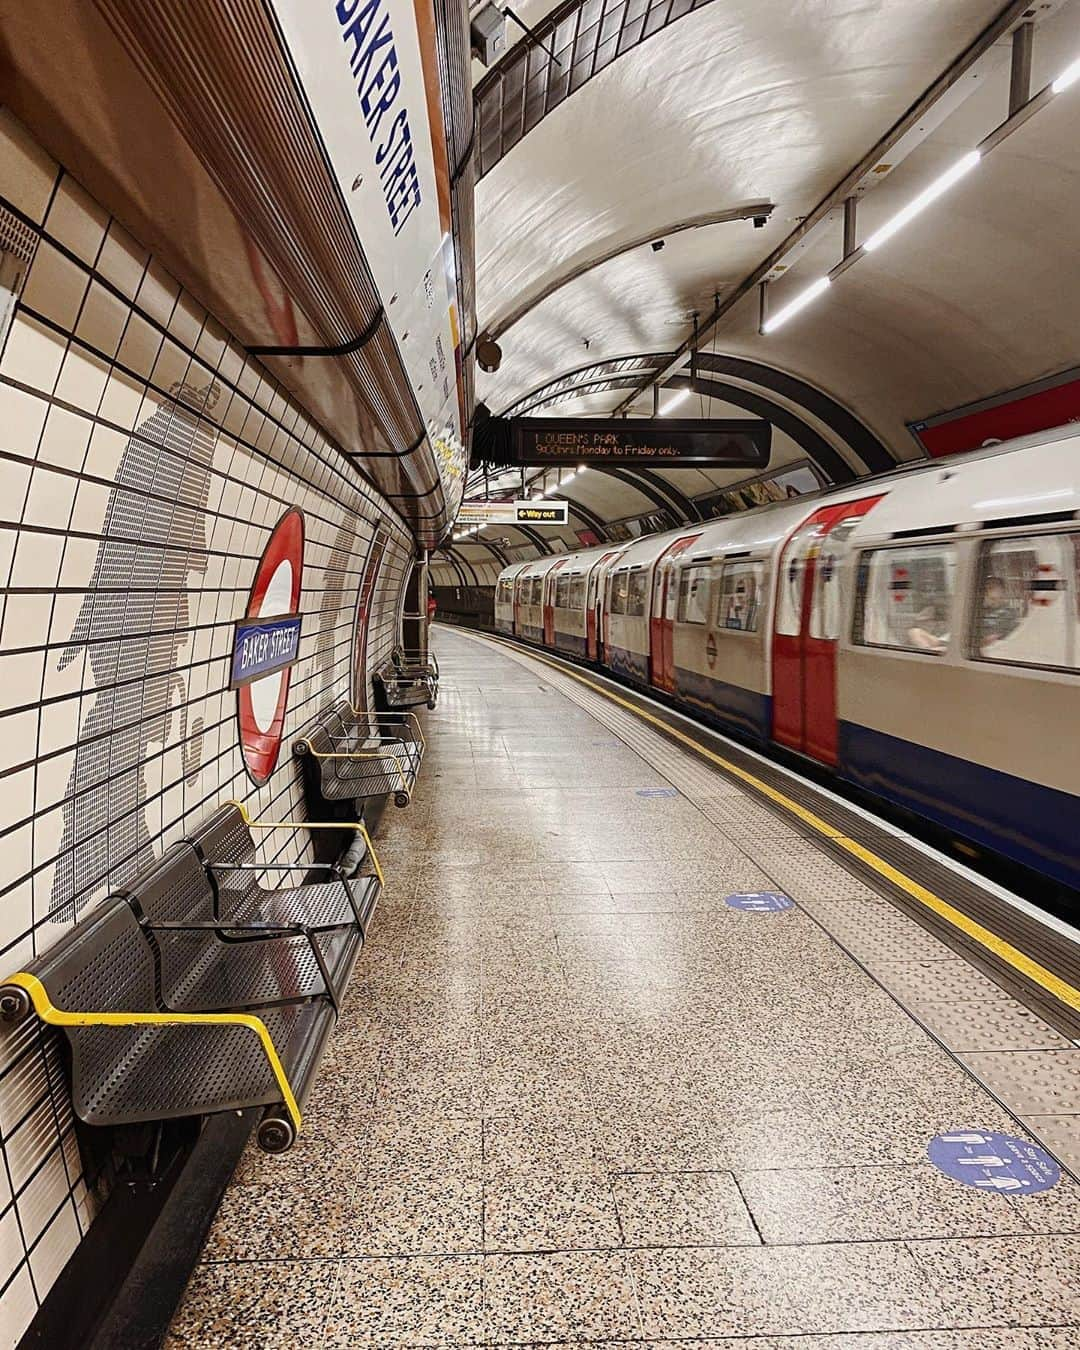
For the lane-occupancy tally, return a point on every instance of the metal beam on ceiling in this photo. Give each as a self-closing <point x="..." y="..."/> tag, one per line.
<point x="749" y="211"/>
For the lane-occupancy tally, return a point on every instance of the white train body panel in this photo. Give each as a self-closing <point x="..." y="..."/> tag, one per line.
<point x="919" y="634"/>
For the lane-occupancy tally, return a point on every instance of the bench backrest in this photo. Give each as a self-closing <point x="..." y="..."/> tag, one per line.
<point x="337" y="728"/>
<point x="105" y="964"/>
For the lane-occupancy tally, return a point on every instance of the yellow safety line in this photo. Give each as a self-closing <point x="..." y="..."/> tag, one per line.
<point x="1005" y="951"/>
<point x="57" y="1017"/>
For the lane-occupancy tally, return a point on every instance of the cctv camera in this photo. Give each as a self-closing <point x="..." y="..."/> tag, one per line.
<point x="657" y="245"/>
<point x="760" y="222"/>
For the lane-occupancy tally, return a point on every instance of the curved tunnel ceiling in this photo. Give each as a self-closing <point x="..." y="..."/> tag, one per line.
<point x="738" y="103"/>
<point x="747" y="102"/>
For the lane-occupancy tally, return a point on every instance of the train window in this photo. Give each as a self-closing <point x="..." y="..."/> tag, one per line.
<point x="562" y="592"/>
<point x="637" y="593"/>
<point x="1022" y="614"/>
<point x="825" y="614"/>
<point x="789" y="599"/>
<point x="740" y="596"/>
<point x="619" y="582"/>
<point x="904" y="598"/>
<point x="693" y="595"/>
<point x="577" y="593"/>
<point x="537" y="593"/>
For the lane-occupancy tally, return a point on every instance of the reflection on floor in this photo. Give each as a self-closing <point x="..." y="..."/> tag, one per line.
<point x="578" y="1099"/>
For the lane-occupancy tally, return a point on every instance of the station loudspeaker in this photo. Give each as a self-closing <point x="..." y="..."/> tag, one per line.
<point x="487" y="33"/>
<point x="488" y="354"/>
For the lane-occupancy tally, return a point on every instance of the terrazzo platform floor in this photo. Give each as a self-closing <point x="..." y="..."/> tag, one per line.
<point x="576" y="1100"/>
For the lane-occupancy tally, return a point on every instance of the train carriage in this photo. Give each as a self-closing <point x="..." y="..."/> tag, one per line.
<point x="959" y="673"/>
<point x="918" y="634"/>
<point x="504" y="597"/>
<point x="531" y="597"/>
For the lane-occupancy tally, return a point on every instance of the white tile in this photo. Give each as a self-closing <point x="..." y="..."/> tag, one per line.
<point x="26" y="171"/>
<point x="17" y="1309"/>
<point x="76" y="220"/>
<point x="122" y="399"/>
<point x="157" y="294"/>
<point x="82" y="379"/>
<point x="36" y="563"/>
<point x="55" y="286"/>
<point x="22" y="417"/>
<point x="50" y="498"/>
<point x="32" y="353"/>
<point x="65" y="438"/>
<point x="122" y="260"/>
<point x="101" y="323"/>
<point x="54" y="1248"/>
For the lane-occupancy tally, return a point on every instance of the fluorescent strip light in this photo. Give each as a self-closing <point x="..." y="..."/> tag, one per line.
<point x="1068" y="77"/>
<point x="922" y="201"/>
<point x="792" y="308"/>
<point x="680" y="397"/>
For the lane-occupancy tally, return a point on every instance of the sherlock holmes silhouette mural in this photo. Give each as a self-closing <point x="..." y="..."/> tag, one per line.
<point x="134" y="621"/>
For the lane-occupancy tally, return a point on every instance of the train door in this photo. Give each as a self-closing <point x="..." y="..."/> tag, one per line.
<point x="549" y="602"/>
<point x="662" y="615"/>
<point x="601" y="600"/>
<point x="594" y="603"/>
<point x="807" y="627"/>
<point x="520" y="583"/>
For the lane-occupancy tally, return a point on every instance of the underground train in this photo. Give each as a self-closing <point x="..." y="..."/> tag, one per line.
<point x="918" y="635"/>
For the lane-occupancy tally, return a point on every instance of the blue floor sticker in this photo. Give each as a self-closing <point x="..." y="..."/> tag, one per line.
<point x="760" y="902"/>
<point x="994" y="1162"/>
<point x="657" y="792"/>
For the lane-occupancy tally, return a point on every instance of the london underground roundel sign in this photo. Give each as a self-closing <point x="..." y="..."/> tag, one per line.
<point x="265" y="645"/>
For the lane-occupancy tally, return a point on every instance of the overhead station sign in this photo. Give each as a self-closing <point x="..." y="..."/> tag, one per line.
<point x="535" y="512"/>
<point x="672" y="442"/>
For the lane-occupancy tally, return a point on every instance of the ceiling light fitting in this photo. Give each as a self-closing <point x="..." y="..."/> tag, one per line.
<point x="788" y="311"/>
<point x="963" y="166"/>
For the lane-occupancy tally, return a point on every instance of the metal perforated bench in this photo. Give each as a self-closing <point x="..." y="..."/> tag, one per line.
<point x="356" y="755"/>
<point x="181" y="997"/>
<point x="409" y="679"/>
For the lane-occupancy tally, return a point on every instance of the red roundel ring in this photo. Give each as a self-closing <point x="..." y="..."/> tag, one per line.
<point x="275" y="590"/>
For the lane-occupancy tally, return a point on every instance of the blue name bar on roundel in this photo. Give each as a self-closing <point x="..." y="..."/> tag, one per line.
<point x="760" y="902"/>
<point x="263" y="646"/>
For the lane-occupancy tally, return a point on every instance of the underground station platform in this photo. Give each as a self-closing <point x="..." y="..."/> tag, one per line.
<point x="654" y="1044"/>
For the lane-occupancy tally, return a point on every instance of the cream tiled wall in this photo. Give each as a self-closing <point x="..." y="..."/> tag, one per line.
<point x="144" y="462"/>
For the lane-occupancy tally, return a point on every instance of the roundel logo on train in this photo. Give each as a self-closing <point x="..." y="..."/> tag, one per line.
<point x="266" y="643"/>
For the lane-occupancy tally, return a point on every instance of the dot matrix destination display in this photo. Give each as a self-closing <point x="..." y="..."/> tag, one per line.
<point x="678" y="442"/>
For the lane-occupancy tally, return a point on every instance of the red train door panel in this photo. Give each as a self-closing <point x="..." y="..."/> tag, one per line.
<point x="807" y="626"/>
<point x="662" y="615"/>
<point x="549" y="603"/>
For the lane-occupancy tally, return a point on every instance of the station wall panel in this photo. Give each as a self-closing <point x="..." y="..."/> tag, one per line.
<point x="145" y="460"/>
